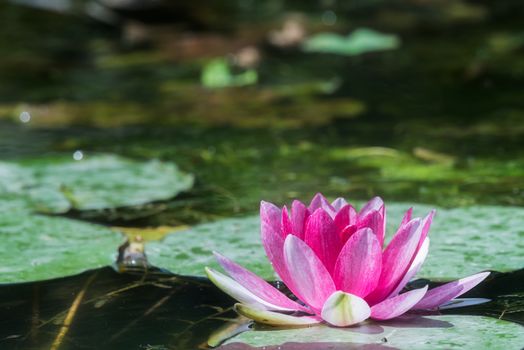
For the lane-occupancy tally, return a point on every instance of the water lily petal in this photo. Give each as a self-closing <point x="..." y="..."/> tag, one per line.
<point x="375" y="204"/>
<point x="299" y="213"/>
<point x="449" y="291"/>
<point x="407" y="217"/>
<point x="270" y="218"/>
<point x="375" y="221"/>
<point x="396" y="306"/>
<point x="426" y="222"/>
<point x="275" y="318"/>
<point x="319" y="201"/>
<point x="347" y="215"/>
<point x="312" y="282"/>
<point x="396" y="259"/>
<point x="358" y="266"/>
<point x="344" y="309"/>
<point x="257" y="285"/>
<point x="237" y="291"/>
<point x="414" y="268"/>
<point x="346" y="233"/>
<point x="322" y="237"/>
<point x="286" y="225"/>
<point x="272" y="238"/>
<point x="339" y="203"/>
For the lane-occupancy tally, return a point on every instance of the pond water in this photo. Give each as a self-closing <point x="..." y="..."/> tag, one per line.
<point x="437" y="120"/>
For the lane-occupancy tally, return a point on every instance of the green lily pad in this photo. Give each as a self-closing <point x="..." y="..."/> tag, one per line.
<point x="468" y="240"/>
<point x="463" y="241"/>
<point x="188" y="252"/>
<point x="57" y="185"/>
<point x="37" y="247"/>
<point x="435" y="332"/>
<point x="360" y="41"/>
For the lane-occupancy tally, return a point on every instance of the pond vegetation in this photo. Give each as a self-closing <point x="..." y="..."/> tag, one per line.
<point x="171" y="123"/>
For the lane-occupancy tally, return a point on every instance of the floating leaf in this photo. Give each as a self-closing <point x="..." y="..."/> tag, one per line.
<point x="37" y="247"/>
<point x="217" y="74"/>
<point x="104" y="181"/>
<point x="463" y="241"/>
<point x="358" y="42"/>
<point x="188" y="252"/>
<point x="435" y="332"/>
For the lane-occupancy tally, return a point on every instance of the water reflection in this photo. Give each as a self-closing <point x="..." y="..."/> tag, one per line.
<point x="104" y="309"/>
<point x="117" y="311"/>
<point x="310" y="346"/>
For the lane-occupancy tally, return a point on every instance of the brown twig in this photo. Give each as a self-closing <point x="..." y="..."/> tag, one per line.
<point x="71" y="314"/>
<point x="148" y="312"/>
<point x="35" y="318"/>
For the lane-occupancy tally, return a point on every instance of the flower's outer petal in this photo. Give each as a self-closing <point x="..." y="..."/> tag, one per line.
<point x="274" y="246"/>
<point x="272" y="238"/>
<point x="239" y="292"/>
<point x="396" y="306"/>
<point x="345" y="309"/>
<point x="312" y="282"/>
<point x="257" y="285"/>
<point x="375" y="204"/>
<point x="426" y="222"/>
<point x="299" y="214"/>
<point x="407" y="217"/>
<point x="319" y="201"/>
<point x="396" y="259"/>
<point x="375" y="221"/>
<point x="347" y="215"/>
<point x="414" y="268"/>
<point x="449" y="291"/>
<point x="286" y="225"/>
<point x="270" y="218"/>
<point x="339" y="203"/>
<point x="322" y="237"/>
<point x="358" y="266"/>
<point x="275" y="318"/>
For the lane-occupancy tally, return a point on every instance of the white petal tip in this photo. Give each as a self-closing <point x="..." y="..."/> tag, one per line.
<point x="344" y="309"/>
<point x="274" y="318"/>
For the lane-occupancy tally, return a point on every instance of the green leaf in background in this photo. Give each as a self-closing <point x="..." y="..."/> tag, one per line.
<point x="217" y="74"/>
<point x="188" y="252"/>
<point x="435" y="332"/>
<point x="36" y="247"/>
<point x="360" y="41"/>
<point x="471" y="239"/>
<point x="463" y="241"/>
<point x="57" y="185"/>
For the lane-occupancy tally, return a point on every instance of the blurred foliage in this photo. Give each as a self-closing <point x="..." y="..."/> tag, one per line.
<point x="217" y="74"/>
<point x="358" y="42"/>
<point x="438" y="120"/>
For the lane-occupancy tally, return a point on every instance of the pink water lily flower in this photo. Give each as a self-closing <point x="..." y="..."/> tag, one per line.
<point x="332" y="258"/>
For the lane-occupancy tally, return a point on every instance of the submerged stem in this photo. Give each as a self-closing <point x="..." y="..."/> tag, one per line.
<point x="71" y="314"/>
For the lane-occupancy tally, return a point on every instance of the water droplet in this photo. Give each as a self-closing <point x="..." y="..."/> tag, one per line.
<point x="25" y="117"/>
<point x="78" y="155"/>
<point x="329" y="18"/>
